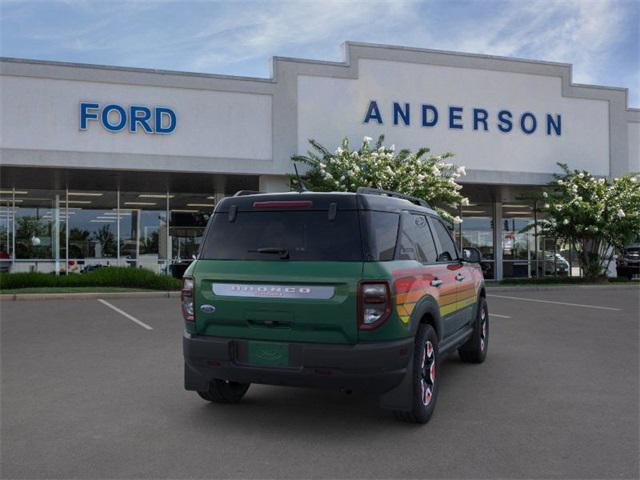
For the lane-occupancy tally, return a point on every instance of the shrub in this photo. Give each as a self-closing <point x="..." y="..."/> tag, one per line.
<point x="429" y="177"/>
<point x="595" y="215"/>
<point x="125" y="277"/>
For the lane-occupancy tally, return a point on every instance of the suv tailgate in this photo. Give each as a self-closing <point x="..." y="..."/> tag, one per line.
<point x="278" y="300"/>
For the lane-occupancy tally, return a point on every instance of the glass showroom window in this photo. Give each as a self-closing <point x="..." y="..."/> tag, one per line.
<point x="6" y="229"/>
<point x="553" y="258"/>
<point x="477" y="230"/>
<point x="189" y="214"/>
<point x="144" y="229"/>
<point x="39" y="226"/>
<point x="518" y="240"/>
<point x="92" y="230"/>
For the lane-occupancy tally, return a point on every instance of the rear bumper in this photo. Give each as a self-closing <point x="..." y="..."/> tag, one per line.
<point x="371" y="367"/>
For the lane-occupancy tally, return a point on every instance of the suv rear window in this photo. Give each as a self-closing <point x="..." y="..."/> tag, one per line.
<point x="276" y="235"/>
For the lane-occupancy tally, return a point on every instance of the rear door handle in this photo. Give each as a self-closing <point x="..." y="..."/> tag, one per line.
<point x="436" y="282"/>
<point x="459" y="277"/>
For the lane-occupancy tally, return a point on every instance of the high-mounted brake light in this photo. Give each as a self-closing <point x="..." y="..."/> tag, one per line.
<point x="284" y="204"/>
<point x="374" y="304"/>
<point x="186" y="299"/>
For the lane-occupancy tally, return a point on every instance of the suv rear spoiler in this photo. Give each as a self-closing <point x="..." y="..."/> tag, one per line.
<point x="388" y="193"/>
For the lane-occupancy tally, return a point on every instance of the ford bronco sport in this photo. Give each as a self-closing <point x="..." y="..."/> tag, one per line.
<point x="353" y="291"/>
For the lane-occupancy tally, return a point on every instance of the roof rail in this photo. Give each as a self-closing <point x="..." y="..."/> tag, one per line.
<point x="242" y="193"/>
<point x="388" y="193"/>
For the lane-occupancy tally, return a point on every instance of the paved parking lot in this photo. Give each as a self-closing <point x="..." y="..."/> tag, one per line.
<point x="89" y="393"/>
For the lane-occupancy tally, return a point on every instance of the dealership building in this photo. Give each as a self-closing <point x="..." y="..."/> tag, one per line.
<point x="104" y="165"/>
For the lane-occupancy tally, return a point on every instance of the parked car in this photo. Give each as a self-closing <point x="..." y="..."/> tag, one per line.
<point x="352" y="291"/>
<point x="554" y="264"/>
<point x="5" y="262"/>
<point x="178" y="266"/>
<point x="628" y="263"/>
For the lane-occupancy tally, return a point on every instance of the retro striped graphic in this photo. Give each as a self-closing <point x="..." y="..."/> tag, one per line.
<point x="412" y="284"/>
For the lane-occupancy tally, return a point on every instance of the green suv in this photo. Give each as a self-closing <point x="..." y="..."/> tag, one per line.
<point x="353" y="291"/>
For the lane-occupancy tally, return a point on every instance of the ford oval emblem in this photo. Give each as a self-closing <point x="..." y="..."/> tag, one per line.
<point x="207" y="308"/>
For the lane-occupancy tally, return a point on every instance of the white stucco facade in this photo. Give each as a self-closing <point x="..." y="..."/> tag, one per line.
<point x="327" y="105"/>
<point x="253" y="126"/>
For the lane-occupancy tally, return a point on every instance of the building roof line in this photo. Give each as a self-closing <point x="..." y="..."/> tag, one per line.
<point x="459" y="54"/>
<point x="345" y="63"/>
<point x="134" y="69"/>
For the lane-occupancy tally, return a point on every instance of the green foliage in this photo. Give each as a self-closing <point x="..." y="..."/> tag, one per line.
<point x="595" y="215"/>
<point x="429" y="177"/>
<point x="102" y="277"/>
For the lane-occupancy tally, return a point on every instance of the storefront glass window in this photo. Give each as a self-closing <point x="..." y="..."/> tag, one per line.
<point x="477" y="231"/>
<point x="189" y="215"/>
<point x="6" y="229"/>
<point x="39" y="228"/>
<point x="92" y="230"/>
<point x="518" y="240"/>
<point x="144" y="229"/>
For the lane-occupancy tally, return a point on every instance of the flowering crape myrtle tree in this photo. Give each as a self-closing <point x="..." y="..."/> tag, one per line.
<point x="429" y="177"/>
<point x="592" y="214"/>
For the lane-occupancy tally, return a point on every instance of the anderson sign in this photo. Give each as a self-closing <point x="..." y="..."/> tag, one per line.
<point x="459" y="118"/>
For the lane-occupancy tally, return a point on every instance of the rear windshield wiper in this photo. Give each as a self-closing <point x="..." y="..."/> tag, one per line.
<point x="283" y="252"/>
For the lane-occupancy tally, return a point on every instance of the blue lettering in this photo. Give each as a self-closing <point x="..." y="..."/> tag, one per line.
<point x="85" y="114"/>
<point x="105" y="118"/>
<point x="523" y="123"/>
<point x="504" y="117"/>
<point x="557" y="125"/>
<point x="373" y="112"/>
<point x="455" y="113"/>
<point x="162" y="112"/>
<point x="399" y="112"/>
<point x="139" y="115"/>
<point x="480" y="115"/>
<point x="425" y="116"/>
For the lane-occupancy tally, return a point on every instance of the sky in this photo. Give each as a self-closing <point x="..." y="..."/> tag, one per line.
<point x="601" y="38"/>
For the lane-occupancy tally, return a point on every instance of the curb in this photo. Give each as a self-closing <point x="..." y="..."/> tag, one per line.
<point x="86" y="296"/>
<point x="510" y="288"/>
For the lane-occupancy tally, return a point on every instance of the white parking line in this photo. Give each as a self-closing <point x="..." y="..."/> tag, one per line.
<point x="125" y="314"/>
<point x="498" y="315"/>
<point x="556" y="303"/>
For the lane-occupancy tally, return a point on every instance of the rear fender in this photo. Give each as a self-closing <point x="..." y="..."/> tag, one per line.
<point x="427" y="307"/>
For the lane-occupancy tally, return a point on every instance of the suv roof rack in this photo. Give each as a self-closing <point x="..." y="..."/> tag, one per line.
<point x="388" y="193"/>
<point x="242" y="193"/>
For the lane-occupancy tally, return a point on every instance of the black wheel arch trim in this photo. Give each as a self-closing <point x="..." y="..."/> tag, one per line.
<point x="426" y="306"/>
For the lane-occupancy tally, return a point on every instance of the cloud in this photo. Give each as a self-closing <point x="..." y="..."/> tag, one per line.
<point x="581" y="32"/>
<point x="600" y="37"/>
<point x="270" y="28"/>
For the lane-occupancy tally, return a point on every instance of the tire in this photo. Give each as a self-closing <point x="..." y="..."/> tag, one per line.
<point x="475" y="350"/>
<point x="425" y="381"/>
<point x="221" y="391"/>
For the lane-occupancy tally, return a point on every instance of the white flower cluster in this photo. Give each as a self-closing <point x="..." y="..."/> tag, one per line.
<point x="432" y="178"/>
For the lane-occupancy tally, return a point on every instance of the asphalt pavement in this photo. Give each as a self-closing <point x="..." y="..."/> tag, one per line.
<point x="87" y="392"/>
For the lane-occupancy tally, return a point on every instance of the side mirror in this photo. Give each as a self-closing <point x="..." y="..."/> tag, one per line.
<point x="471" y="255"/>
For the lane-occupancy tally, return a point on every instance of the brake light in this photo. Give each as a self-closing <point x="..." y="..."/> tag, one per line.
<point x="186" y="299"/>
<point x="374" y="304"/>
<point x="284" y="204"/>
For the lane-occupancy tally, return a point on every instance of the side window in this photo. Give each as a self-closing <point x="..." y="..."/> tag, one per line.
<point x="416" y="242"/>
<point x="382" y="230"/>
<point x="447" y="251"/>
